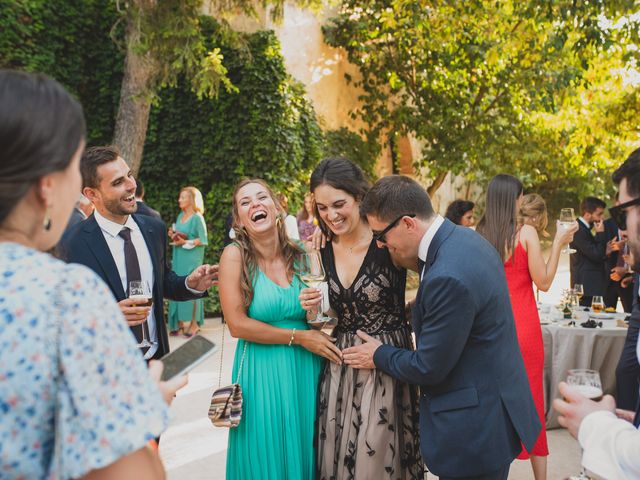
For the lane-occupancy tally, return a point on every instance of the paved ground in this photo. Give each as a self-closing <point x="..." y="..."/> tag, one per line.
<point x="192" y="449"/>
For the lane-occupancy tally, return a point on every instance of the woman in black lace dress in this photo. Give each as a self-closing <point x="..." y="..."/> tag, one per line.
<point x="367" y="421"/>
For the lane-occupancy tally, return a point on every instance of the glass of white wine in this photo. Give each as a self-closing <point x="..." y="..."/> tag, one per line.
<point x="312" y="274"/>
<point x="567" y="221"/>
<point x="140" y="292"/>
<point x="587" y="383"/>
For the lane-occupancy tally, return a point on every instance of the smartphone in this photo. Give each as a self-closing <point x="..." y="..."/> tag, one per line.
<point x="187" y="356"/>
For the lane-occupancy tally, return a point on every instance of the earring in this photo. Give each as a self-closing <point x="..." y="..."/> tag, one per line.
<point x="46" y="224"/>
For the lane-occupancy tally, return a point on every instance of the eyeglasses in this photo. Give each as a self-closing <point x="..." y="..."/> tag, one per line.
<point x="619" y="212"/>
<point x="379" y="236"/>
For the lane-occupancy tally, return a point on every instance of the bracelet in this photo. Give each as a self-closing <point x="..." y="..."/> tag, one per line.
<point x="293" y="334"/>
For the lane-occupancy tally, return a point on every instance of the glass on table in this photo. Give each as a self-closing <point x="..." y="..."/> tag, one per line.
<point x="578" y="291"/>
<point x="597" y="304"/>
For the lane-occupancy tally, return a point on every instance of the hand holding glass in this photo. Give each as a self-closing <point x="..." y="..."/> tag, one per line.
<point x="567" y="220"/>
<point x="587" y="383"/>
<point x="140" y="292"/>
<point x="313" y="275"/>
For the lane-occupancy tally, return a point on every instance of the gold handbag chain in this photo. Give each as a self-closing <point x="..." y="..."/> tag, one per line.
<point x="244" y="351"/>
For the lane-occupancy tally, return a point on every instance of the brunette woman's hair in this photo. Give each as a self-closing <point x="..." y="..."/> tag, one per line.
<point x="499" y="224"/>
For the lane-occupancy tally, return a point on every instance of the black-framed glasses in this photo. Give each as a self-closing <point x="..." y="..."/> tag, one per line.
<point x="619" y="212"/>
<point x="379" y="236"/>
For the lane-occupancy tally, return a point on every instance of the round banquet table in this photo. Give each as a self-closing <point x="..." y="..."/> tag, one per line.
<point x="567" y="347"/>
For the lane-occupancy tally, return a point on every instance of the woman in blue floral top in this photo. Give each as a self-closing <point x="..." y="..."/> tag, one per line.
<point x="76" y="399"/>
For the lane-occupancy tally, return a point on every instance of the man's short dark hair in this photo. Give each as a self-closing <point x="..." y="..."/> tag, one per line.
<point x="591" y="204"/>
<point x="630" y="170"/>
<point x="139" y="189"/>
<point x="394" y="196"/>
<point x="94" y="157"/>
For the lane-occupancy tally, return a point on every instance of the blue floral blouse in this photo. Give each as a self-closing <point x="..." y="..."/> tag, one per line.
<point x="108" y="405"/>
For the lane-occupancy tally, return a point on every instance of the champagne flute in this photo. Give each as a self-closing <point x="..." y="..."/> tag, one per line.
<point x="312" y="274"/>
<point x="567" y="220"/>
<point x="587" y="383"/>
<point x="140" y="292"/>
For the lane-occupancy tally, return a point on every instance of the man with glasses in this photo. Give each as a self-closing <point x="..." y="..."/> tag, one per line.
<point x="476" y="405"/>
<point x="609" y="436"/>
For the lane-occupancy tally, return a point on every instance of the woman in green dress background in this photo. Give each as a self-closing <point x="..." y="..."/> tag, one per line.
<point x="280" y="355"/>
<point x="189" y="239"/>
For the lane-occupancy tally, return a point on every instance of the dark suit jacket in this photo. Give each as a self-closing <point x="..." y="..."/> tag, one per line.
<point x="85" y="244"/>
<point x="144" y="209"/>
<point x="475" y="405"/>
<point x="588" y="263"/>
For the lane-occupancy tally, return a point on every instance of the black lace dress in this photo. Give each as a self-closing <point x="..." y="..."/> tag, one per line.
<point x="367" y="420"/>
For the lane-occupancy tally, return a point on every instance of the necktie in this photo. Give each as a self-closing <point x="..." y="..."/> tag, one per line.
<point x="133" y="274"/>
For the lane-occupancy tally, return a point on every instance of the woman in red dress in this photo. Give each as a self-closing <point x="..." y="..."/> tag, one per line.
<point x="519" y="247"/>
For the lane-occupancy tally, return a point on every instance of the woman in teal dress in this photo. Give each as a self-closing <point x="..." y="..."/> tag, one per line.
<point x="189" y="239"/>
<point x="281" y="356"/>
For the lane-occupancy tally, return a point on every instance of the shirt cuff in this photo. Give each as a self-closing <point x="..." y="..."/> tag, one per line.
<point x="587" y="425"/>
<point x="192" y="290"/>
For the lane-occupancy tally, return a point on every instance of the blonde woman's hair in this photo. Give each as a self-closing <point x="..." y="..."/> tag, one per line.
<point x="533" y="211"/>
<point x="290" y="251"/>
<point x="196" y="198"/>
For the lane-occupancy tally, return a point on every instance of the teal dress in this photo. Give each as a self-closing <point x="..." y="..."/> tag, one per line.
<point x="274" y="440"/>
<point x="183" y="263"/>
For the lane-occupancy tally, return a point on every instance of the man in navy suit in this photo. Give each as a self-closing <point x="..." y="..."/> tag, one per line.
<point x="587" y="264"/>
<point x="476" y="405"/>
<point x="121" y="246"/>
<point x="609" y="437"/>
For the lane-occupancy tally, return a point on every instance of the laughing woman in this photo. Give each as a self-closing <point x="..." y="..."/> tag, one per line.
<point x="279" y="372"/>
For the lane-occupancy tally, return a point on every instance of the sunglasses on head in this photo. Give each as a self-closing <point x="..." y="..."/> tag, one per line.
<point x="379" y="236"/>
<point x="619" y="212"/>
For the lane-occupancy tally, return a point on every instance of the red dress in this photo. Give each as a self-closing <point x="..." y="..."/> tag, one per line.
<point x="525" y="312"/>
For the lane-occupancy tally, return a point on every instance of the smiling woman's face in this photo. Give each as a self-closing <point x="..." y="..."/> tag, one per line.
<point x="256" y="208"/>
<point x="338" y="210"/>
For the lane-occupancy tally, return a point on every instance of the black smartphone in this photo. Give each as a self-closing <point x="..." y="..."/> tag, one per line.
<point x="187" y="356"/>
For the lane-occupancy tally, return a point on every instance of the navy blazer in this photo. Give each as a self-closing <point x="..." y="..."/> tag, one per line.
<point x="85" y="244"/>
<point x="475" y="402"/>
<point x="588" y="263"/>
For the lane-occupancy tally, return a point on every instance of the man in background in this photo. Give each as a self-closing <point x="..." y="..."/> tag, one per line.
<point x="588" y="262"/>
<point x="143" y="208"/>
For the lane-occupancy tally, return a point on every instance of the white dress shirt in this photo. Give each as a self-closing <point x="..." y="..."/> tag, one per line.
<point x="427" y="238"/>
<point x="611" y="445"/>
<point x="110" y="231"/>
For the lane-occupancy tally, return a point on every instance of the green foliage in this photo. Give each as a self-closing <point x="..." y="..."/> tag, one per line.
<point x="345" y="143"/>
<point x="267" y="129"/>
<point x="474" y="82"/>
<point x="70" y="41"/>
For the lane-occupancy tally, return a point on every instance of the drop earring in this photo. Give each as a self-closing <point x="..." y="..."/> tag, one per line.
<point x="46" y="223"/>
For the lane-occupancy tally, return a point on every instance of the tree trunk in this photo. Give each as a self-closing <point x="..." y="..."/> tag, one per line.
<point x="437" y="182"/>
<point x="135" y="100"/>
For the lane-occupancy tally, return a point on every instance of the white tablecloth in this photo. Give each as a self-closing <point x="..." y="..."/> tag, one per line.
<point x="577" y="347"/>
